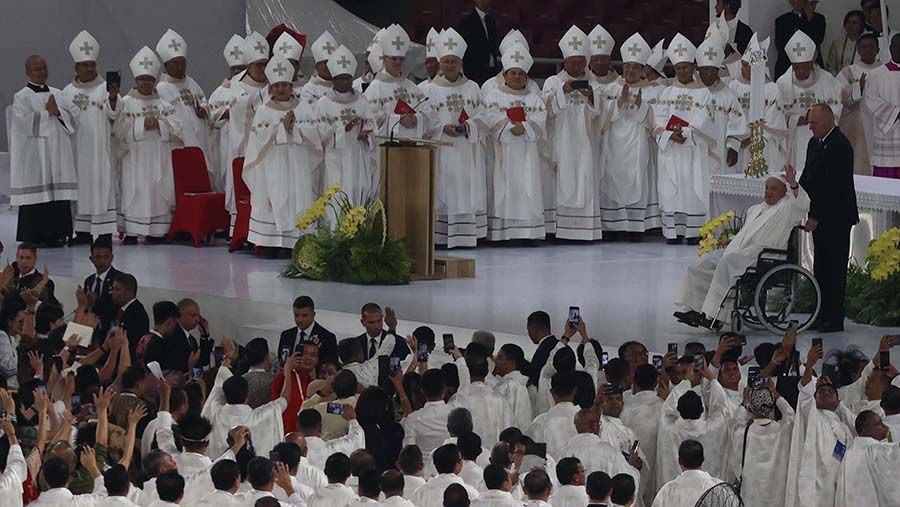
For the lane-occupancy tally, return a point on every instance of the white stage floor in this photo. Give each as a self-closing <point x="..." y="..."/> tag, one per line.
<point x="625" y="290"/>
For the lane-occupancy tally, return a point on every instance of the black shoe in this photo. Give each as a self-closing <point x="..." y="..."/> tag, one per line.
<point x="708" y="323"/>
<point x="130" y="240"/>
<point x="635" y="237"/>
<point x="153" y="240"/>
<point x="830" y="327"/>
<point x="673" y="241"/>
<point x="693" y="241"/>
<point x="689" y="316"/>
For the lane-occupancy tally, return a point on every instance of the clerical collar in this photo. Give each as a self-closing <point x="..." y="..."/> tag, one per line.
<point x="36" y="88"/>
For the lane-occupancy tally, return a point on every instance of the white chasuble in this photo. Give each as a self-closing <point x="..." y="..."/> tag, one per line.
<point x="798" y="96"/>
<point x="730" y="125"/>
<point x="315" y="89"/>
<point x="628" y="188"/>
<point x="278" y="171"/>
<point x="882" y="98"/>
<point x="764" y="471"/>
<point x="186" y="96"/>
<point x="42" y="168"/>
<point x="856" y="119"/>
<point x="684" y="169"/>
<point x="577" y="176"/>
<point x="148" y="188"/>
<point x="460" y="190"/>
<point x="219" y="107"/>
<point x="93" y="152"/>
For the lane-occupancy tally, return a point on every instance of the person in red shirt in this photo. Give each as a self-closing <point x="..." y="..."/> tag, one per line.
<point x="304" y="361"/>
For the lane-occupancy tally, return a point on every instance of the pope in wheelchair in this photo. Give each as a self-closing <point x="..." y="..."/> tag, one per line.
<point x="767" y="225"/>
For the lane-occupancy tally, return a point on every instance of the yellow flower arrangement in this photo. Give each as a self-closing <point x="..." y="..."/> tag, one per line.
<point x="884" y="255"/>
<point x="708" y="240"/>
<point x="351" y="221"/>
<point x="317" y="210"/>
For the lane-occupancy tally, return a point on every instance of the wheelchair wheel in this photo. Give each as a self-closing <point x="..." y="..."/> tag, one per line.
<point x="787" y="293"/>
<point x="737" y="323"/>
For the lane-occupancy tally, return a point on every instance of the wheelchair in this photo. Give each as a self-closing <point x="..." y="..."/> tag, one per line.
<point x="775" y="293"/>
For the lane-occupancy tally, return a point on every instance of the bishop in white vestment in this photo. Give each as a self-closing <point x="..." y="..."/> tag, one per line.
<point x="517" y="210"/>
<point x="219" y="105"/>
<point x="282" y="151"/>
<point x="322" y="49"/>
<point x="683" y="132"/>
<point x="570" y="114"/>
<point x="345" y="123"/>
<point x="186" y="96"/>
<point x="96" y="104"/>
<point x="882" y="98"/>
<point x="728" y="121"/>
<point x="803" y="87"/>
<point x="628" y="191"/>
<point x="42" y="170"/>
<point x="249" y="91"/>
<point x="857" y="122"/>
<point x="454" y="104"/>
<point x="767" y="225"/>
<point x="148" y="130"/>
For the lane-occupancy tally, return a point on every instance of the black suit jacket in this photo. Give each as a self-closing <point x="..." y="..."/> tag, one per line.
<point x="480" y="47"/>
<point x="742" y="35"/>
<point x="785" y="26"/>
<point x="400" y="348"/>
<point x="136" y="323"/>
<point x="31" y="281"/>
<point x="327" y="342"/>
<point x="828" y="179"/>
<point x="540" y="358"/>
<point x="179" y="345"/>
<point x="103" y="307"/>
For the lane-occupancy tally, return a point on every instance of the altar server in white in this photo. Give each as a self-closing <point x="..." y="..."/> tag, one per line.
<point x="454" y="104"/>
<point x="683" y="132"/>
<point x="594" y="453"/>
<point x="693" y="480"/>
<point x="220" y="102"/>
<point x="283" y="149"/>
<point x="185" y="95"/>
<point x="729" y="123"/>
<point x="345" y="125"/>
<point x="767" y="225"/>
<point x="628" y="195"/>
<point x="96" y="103"/>
<point x="881" y="98"/>
<point x="322" y="49"/>
<point x="869" y="474"/>
<point x="43" y="177"/>
<point x="517" y="207"/>
<point x="775" y="131"/>
<point x="857" y="122"/>
<point x="148" y="130"/>
<point x="571" y="105"/>
<point x="801" y="88"/>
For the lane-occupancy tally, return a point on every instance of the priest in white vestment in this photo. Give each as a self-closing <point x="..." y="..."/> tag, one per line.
<point x="454" y="103"/>
<point x="219" y="105"/>
<point x="225" y="410"/>
<point x="322" y="49"/>
<point x="95" y="102"/>
<point x="775" y="130"/>
<point x="572" y="103"/>
<point x="857" y="122"/>
<point x="345" y="125"/>
<point x="148" y="130"/>
<point x="556" y="426"/>
<point x="512" y="384"/>
<point x="803" y="87"/>
<point x="729" y="123"/>
<point x="448" y="463"/>
<point x="684" y="134"/>
<point x="42" y="170"/>
<point x="491" y="413"/>
<point x="869" y="474"/>
<point x="282" y="151"/>
<point x="686" y="489"/>
<point x="641" y="414"/>
<point x="628" y="192"/>
<point x="767" y="225"/>
<point x="571" y="491"/>
<point x="882" y="98"/>
<point x="517" y="210"/>
<point x="185" y="95"/>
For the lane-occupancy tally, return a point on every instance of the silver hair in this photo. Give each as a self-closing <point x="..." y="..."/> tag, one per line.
<point x="485" y="339"/>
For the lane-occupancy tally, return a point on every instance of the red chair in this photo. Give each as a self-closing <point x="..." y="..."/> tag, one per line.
<point x="198" y="210"/>
<point x="241" y="203"/>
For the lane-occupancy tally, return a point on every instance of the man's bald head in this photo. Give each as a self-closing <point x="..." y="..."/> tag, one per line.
<point x="297" y="438"/>
<point x="587" y="421"/>
<point x="869" y="424"/>
<point x="821" y="120"/>
<point x="36" y="69"/>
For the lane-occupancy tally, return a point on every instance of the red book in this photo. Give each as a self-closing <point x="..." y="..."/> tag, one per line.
<point x="463" y="116"/>
<point x="676" y="123"/>
<point x="516" y="114"/>
<point x="403" y="108"/>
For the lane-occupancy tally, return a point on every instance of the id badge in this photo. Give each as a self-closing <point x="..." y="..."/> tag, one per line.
<point x="839" y="450"/>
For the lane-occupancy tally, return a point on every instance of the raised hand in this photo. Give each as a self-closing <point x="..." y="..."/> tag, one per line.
<point x="36" y="361"/>
<point x="390" y="318"/>
<point x="623" y="97"/>
<point x="136" y="414"/>
<point x="52" y="107"/>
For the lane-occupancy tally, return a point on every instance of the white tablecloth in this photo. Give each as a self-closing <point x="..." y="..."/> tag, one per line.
<point x="878" y="200"/>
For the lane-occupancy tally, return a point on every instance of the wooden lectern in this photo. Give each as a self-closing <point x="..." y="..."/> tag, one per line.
<point x="407" y="190"/>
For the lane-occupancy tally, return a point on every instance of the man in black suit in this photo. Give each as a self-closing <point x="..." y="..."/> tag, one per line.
<point x="306" y="328"/>
<point x="130" y="313"/>
<point x="183" y="350"/>
<point x="742" y="33"/>
<point x="98" y="286"/>
<point x="803" y="16"/>
<point x="482" y="59"/>
<point x="373" y="320"/>
<point x="538" y="326"/>
<point x="828" y="179"/>
<point x="26" y="275"/>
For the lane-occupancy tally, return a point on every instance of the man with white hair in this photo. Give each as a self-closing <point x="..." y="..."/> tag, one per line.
<point x="801" y="88"/>
<point x="767" y="225"/>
